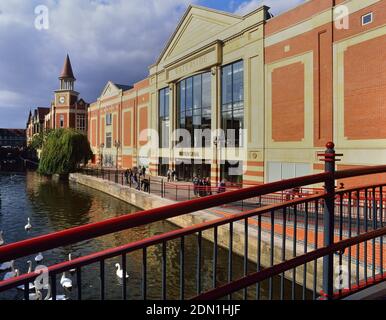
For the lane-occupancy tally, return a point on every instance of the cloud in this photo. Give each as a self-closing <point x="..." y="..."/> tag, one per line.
<point x="107" y="40"/>
<point x="10" y="98"/>
<point x="277" y="6"/>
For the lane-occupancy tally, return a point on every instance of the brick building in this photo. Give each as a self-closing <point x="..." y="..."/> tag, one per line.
<point x="285" y="85"/>
<point x="66" y="111"/>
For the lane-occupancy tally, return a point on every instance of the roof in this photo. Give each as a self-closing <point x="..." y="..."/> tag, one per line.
<point x="12" y="132"/>
<point x="41" y="113"/>
<point x="123" y="86"/>
<point x="67" y="72"/>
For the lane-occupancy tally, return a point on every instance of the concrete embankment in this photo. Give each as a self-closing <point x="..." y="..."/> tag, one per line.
<point x="145" y="201"/>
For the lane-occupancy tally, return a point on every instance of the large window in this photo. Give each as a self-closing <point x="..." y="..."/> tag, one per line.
<point x="108" y="140"/>
<point x="81" y="122"/>
<point x="232" y="171"/>
<point x="109" y="119"/>
<point x="194" y="107"/>
<point x="164" y="121"/>
<point x="61" y="121"/>
<point x="232" y="104"/>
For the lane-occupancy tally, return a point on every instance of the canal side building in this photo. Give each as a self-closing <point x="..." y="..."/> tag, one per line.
<point x="36" y="123"/>
<point x="286" y="85"/>
<point x="66" y="111"/>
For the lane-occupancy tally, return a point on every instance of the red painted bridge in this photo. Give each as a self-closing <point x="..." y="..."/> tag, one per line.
<point x="330" y="243"/>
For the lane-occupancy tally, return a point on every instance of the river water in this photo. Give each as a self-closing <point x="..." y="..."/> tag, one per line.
<point x="54" y="206"/>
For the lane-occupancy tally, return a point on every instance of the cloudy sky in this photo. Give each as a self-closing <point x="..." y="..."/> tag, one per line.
<point x="106" y="40"/>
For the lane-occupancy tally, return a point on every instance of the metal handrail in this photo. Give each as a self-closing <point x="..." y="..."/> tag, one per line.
<point x="90" y="231"/>
<point x="285" y="266"/>
<point x="154" y="240"/>
<point x="74" y="235"/>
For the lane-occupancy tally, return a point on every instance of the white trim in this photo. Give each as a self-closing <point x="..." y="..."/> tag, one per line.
<point x="365" y="15"/>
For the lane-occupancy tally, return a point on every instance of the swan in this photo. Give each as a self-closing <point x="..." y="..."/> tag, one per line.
<point x="120" y="272"/>
<point x="31" y="285"/>
<point x="39" y="258"/>
<point x="66" y="282"/>
<point x="1" y="238"/>
<point x="72" y="271"/>
<point x="12" y="274"/>
<point x="58" y="297"/>
<point x="28" y="226"/>
<point x="6" y="266"/>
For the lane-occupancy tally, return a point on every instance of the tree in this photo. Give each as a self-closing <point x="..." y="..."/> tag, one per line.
<point x="63" y="150"/>
<point x="38" y="140"/>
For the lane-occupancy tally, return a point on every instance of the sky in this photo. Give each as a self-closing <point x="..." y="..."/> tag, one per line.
<point x="106" y="39"/>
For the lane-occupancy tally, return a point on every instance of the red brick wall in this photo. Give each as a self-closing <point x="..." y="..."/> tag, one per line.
<point x="288" y="103"/>
<point x="365" y="90"/>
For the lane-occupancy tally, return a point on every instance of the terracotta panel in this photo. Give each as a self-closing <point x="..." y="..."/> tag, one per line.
<point x="365" y="90"/>
<point x="127" y="126"/>
<point x="288" y="103"/>
<point x="143" y="122"/>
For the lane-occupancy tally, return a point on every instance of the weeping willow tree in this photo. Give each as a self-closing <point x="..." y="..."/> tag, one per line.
<point x="63" y="150"/>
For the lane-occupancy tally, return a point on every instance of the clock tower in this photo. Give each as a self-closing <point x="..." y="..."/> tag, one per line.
<point x="65" y="104"/>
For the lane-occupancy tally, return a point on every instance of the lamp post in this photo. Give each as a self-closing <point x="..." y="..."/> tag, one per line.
<point x="101" y="154"/>
<point x="117" y="145"/>
<point x="217" y="142"/>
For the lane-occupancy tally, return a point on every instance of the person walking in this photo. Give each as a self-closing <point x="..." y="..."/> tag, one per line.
<point x="221" y="187"/>
<point x="169" y="175"/>
<point x="208" y="186"/>
<point x="195" y="185"/>
<point x="127" y="176"/>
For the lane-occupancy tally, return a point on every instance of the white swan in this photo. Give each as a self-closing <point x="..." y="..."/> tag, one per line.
<point x="31" y="285"/>
<point x="120" y="272"/>
<point x="39" y="258"/>
<point x="58" y="297"/>
<point x="6" y="266"/>
<point x="28" y="226"/>
<point x="72" y="271"/>
<point x="66" y="283"/>
<point x="12" y="274"/>
<point x="1" y="238"/>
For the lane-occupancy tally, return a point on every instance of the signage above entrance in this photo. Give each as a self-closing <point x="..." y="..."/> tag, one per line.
<point x="202" y="60"/>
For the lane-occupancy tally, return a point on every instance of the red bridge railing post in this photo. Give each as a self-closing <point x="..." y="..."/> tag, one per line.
<point x="328" y="218"/>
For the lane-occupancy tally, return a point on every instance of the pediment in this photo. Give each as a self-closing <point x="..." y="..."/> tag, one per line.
<point x="198" y="25"/>
<point x="110" y="90"/>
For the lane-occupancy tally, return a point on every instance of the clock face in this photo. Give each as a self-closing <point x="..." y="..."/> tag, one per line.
<point x="62" y="100"/>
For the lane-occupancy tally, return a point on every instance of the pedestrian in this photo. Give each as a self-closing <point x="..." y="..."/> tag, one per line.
<point x="146" y="184"/>
<point x="222" y="186"/>
<point x="195" y="185"/>
<point x="127" y="173"/>
<point x="169" y="175"/>
<point x="143" y="171"/>
<point x="208" y="187"/>
<point x="202" y="187"/>
<point x="174" y="175"/>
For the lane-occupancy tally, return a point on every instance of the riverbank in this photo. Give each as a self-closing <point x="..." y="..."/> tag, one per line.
<point x="149" y="201"/>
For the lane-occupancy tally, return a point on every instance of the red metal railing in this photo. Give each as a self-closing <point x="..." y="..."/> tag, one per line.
<point x="294" y="224"/>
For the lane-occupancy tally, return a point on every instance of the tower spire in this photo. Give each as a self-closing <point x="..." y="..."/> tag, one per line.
<point x="66" y="77"/>
<point x="67" y="72"/>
